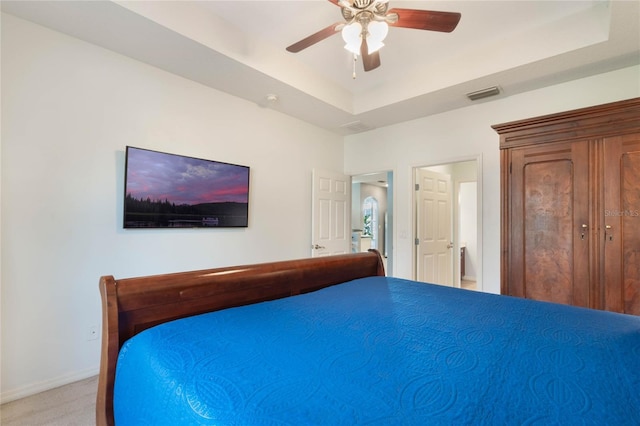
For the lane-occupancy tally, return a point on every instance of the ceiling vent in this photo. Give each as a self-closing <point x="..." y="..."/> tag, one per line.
<point x="356" y="127"/>
<point x="484" y="93"/>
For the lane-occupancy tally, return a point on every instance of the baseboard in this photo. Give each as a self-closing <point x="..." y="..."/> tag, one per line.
<point x="469" y="278"/>
<point x="46" y="385"/>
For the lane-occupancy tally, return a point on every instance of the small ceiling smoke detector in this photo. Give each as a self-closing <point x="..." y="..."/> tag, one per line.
<point x="271" y="98"/>
<point x="484" y="93"/>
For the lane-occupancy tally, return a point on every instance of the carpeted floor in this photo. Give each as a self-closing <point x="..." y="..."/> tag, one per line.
<point x="70" y="405"/>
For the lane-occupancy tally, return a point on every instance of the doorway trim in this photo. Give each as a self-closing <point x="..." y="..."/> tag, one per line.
<point x="456" y="248"/>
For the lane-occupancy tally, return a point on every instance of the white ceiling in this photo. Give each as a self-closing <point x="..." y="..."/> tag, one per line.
<point x="239" y="47"/>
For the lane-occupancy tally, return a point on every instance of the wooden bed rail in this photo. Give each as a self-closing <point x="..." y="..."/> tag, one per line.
<point x="132" y="305"/>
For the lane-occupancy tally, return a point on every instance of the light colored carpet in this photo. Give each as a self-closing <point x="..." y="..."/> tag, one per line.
<point x="70" y="405"/>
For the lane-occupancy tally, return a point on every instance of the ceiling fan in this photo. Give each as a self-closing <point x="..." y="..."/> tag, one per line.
<point x="366" y="23"/>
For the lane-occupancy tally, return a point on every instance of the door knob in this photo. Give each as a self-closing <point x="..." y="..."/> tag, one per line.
<point x="317" y="247"/>
<point x="584" y="229"/>
<point x="608" y="233"/>
<point x="450" y="245"/>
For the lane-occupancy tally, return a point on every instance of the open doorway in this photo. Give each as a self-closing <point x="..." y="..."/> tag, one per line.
<point x="447" y="224"/>
<point x="372" y="215"/>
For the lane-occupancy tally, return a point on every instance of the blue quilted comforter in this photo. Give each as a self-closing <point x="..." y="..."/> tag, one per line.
<point x="385" y="351"/>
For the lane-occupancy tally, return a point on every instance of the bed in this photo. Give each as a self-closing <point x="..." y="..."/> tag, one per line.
<point x="333" y="341"/>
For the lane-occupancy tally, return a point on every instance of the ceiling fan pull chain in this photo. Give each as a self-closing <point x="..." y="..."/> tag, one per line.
<point x="355" y="59"/>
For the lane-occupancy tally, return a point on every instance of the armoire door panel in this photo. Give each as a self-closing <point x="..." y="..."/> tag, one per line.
<point x="622" y="224"/>
<point x="548" y="187"/>
<point x="548" y="246"/>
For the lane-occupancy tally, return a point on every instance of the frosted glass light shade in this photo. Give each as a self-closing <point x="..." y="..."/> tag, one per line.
<point x="351" y="34"/>
<point x="378" y="29"/>
<point x="376" y="33"/>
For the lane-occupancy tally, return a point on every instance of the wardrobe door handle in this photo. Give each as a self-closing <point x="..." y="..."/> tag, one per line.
<point x="608" y="233"/>
<point x="584" y="229"/>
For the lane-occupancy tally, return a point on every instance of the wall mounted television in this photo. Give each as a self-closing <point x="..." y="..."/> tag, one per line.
<point x="165" y="190"/>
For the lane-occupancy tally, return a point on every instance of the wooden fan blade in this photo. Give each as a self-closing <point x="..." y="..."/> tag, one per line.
<point x="369" y="61"/>
<point x="426" y="20"/>
<point x="314" y="38"/>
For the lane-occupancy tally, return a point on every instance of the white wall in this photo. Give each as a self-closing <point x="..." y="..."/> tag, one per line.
<point x="68" y="110"/>
<point x="468" y="232"/>
<point x="466" y="215"/>
<point x="466" y="134"/>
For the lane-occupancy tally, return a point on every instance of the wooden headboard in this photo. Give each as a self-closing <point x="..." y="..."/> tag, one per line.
<point x="132" y="305"/>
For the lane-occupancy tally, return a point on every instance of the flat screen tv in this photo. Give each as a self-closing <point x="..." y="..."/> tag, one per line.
<point x="165" y="190"/>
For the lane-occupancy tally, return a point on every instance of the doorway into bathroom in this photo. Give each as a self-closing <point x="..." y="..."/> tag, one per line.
<point x="447" y="224"/>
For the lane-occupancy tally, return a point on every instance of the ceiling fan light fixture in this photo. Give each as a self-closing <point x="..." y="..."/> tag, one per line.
<point x="366" y="23"/>
<point x="376" y="32"/>
<point x="373" y="45"/>
<point x="378" y="29"/>
<point x="351" y="34"/>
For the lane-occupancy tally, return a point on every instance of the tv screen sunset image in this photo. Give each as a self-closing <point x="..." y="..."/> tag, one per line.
<point x="173" y="191"/>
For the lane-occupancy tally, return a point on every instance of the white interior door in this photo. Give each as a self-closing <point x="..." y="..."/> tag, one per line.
<point x="434" y="232"/>
<point x="331" y="213"/>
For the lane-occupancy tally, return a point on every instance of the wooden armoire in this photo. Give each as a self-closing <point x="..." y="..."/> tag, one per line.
<point x="570" y="193"/>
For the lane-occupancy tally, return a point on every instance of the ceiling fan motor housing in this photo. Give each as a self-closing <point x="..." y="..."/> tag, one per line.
<point x="360" y="8"/>
<point x="361" y="4"/>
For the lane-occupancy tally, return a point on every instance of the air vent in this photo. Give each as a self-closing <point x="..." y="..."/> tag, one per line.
<point x="484" y="93"/>
<point x="356" y="127"/>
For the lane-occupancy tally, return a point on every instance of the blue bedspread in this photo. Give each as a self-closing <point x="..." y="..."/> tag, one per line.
<point x="385" y="351"/>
